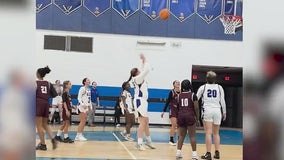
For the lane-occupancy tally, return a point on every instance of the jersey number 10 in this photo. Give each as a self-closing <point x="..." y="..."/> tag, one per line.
<point x="184" y="102"/>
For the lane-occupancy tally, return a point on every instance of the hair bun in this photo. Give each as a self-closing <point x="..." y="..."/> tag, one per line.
<point x="46" y="69"/>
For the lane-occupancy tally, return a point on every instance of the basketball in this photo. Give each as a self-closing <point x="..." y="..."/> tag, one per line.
<point x="164" y="14"/>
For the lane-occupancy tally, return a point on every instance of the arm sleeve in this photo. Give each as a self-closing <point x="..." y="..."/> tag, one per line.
<point x="80" y="94"/>
<point x="200" y="91"/>
<point x="222" y="99"/>
<point x="168" y="101"/>
<point x="145" y="70"/>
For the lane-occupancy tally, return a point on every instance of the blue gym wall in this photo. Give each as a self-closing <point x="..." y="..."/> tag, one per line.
<point x="108" y="96"/>
<point x="55" y="15"/>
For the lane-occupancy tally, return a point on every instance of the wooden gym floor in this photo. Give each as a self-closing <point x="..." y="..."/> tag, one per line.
<point x="107" y="143"/>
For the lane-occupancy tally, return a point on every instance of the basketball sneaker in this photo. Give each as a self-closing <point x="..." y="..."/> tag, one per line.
<point x="207" y="156"/>
<point x="80" y="138"/>
<point x="140" y="147"/>
<point x="128" y="138"/>
<point x="194" y="157"/>
<point x="150" y="145"/>
<point x="123" y="133"/>
<point x="178" y="155"/>
<point x="172" y="143"/>
<point x="41" y="147"/>
<point x="58" y="138"/>
<point x="68" y="140"/>
<point x="54" y="143"/>
<point x="217" y="155"/>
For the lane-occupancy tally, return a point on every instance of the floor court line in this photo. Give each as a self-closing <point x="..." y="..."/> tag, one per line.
<point x="130" y="153"/>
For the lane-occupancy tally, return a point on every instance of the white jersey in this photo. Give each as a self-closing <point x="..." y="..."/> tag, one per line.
<point x="128" y="101"/>
<point x="212" y="96"/>
<point x="84" y="96"/>
<point x="141" y="90"/>
<point x="140" y="84"/>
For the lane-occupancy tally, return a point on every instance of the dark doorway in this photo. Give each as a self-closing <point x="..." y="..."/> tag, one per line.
<point x="231" y="79"/>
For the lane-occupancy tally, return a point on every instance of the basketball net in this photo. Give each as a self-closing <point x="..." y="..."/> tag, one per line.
<point x="230" y="23"/>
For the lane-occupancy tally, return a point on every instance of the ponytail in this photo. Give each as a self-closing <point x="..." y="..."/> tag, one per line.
<point x="133" y="73"/>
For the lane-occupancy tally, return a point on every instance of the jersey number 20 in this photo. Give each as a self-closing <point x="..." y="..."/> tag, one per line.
<point x="211" y="93"/>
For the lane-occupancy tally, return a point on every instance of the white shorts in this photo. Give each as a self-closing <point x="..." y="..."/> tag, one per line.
<point x="142" y="106"/>
<point x="212" y="115"/>
<point x="57" y="101"/>
<point x="83" y="108"/>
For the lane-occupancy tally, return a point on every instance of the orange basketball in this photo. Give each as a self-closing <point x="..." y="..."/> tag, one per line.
<point x="164" y="14"/>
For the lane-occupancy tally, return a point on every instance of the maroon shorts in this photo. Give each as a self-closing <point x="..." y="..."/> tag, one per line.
<point x="42" y="108"/>
<point x="64" y="115"/>
<point x="173" y="112"/>
<point x="185" y="119"/>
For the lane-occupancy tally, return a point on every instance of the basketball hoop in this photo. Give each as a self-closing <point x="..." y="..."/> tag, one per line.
<point x="230" y="23"/>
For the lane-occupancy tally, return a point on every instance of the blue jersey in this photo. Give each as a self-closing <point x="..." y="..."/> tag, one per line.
<point x="94" y="95"/>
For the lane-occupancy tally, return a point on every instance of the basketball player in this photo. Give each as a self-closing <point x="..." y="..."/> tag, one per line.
<point x="129" y="110"/>
<point x="172" y="100"/>
<point x="84" y="100"/>
<point x="188" y="118"/>
<point x="44" y="91"/>
<point x="57" y="101"/>
<point x="140" y="100"/>
<point x="67" y="104"/>
<point x="213" y="100"/>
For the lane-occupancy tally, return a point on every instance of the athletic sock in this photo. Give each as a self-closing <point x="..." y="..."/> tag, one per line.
<point x="59" y="132"/>
<point x="140" y="141"/>
<point x="65" y="135"/>
<point x="194" y="154"/>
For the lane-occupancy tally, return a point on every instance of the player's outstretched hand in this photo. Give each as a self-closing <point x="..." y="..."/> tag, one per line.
<point x="142" y="57"/>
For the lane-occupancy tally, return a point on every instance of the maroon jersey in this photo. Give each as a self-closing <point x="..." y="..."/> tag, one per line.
<point x="43" y="90"/>
<point x="186" y="114"/>
<point x="66" y="97"/>
<point x="42" y="96"/>
<point x="173" y="101"/>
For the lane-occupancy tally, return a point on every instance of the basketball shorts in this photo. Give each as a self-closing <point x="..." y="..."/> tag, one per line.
<point x="142" y="106"/>
<point x="42" y="108"/>
<point x="212" y="115"/>
<point x="57" y="101"/>
<point x="64" y="115"/>
<point x="185" y="119"/>
<point x="173" y="112"/>
<point x="83" y="108"/>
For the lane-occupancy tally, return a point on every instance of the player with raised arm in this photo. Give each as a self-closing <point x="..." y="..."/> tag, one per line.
<point x="141" y="101"/>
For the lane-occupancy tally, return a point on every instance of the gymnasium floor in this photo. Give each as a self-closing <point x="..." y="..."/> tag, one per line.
<point x="107" y="143"/>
